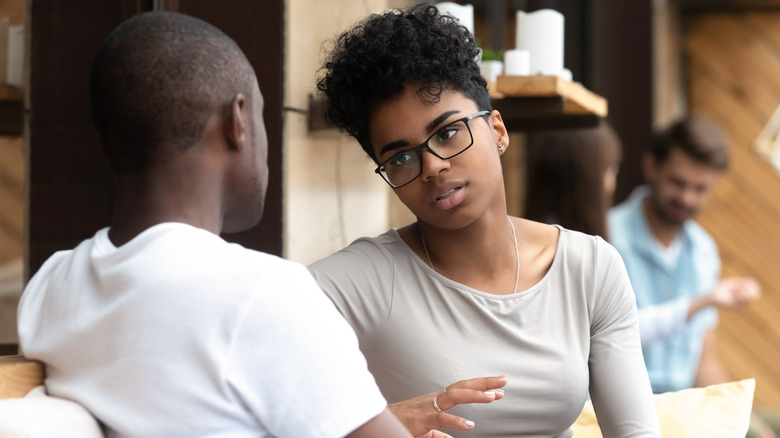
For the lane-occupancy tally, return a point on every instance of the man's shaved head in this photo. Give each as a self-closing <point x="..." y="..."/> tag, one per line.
<point x="155" y="81"/>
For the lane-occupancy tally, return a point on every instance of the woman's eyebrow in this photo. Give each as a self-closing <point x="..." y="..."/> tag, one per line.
<point x="430" y="127"/>
<point x="438" y="120"/>
<point x="393" y="145"/>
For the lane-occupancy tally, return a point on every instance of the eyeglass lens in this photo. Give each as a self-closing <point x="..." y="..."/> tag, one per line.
<point x="445" y="143"/>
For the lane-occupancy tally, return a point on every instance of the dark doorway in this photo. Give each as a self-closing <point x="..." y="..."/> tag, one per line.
<point x="70" y="187"/>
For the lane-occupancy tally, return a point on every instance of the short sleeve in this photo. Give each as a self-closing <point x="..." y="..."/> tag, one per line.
<point x="296" y="365"/>
<point x="620" y="387"/>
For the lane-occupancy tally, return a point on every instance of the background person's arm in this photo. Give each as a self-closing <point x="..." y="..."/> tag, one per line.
<point x="663" y="321"/>
<point x="731" y="293"/>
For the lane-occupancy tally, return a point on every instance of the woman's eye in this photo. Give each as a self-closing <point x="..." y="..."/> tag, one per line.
<point x="446" y="134"/>
<point x="401" y="159"/>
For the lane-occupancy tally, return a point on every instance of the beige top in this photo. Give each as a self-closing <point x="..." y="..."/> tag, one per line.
<point x="421" y="331"/>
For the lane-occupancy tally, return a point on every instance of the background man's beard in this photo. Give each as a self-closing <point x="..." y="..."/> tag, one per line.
<point x="665" y="216"/>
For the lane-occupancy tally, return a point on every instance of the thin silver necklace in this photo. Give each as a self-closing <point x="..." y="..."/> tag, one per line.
<point x="517" y="253"/>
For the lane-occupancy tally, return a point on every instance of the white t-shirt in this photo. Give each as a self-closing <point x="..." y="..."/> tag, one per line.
<point x="178" y="333"/>
<point x="574" y="331"/>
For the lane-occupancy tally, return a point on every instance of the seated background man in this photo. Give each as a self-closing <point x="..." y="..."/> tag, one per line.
<point x="673" y="263"/>
<point x="157" y="325"/>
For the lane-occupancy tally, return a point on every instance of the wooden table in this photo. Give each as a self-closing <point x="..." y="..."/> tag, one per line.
<point x="19" y="375"/>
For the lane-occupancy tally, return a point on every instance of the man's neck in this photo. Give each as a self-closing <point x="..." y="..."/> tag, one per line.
<point x="663" y="231"/>
<point x="146" y="200"/>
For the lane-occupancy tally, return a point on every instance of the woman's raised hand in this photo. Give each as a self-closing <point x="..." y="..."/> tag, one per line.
<point x="424" y="414"/>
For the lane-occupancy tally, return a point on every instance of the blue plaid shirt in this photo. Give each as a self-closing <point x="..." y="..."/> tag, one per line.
<point x="672" y="361"/>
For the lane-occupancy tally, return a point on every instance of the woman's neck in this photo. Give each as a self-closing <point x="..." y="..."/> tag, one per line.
<point x="481" y="255"/>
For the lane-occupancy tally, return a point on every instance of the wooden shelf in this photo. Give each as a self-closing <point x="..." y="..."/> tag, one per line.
<point x="526" y="103"/>
<point x="545" y="102"/>
<point x="577" y="99"/>
<point x="529" y="114"/>
<point x="10" y="94"/>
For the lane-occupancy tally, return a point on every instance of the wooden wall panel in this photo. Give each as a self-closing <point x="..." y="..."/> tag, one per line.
<point x="11" y="199"/>
<point x="733" y="74"/>
<point x="623" y="73"/>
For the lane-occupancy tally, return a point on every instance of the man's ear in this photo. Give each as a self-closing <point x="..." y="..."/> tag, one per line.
<point x="237" y="122"/>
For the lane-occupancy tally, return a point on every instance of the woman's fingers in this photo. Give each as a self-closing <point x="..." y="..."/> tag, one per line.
<point x="454" y="396"/>
<point x="435" y="434"/>
<point x="421" y="416"/>
<point x="448" y="421"/>
<point x="480" y="383"/>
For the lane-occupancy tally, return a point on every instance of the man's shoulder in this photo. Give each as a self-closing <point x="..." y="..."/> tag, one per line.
<point x="171" y="240"/>
<point x="621" y="225"/>
<point x="621" y="210"/>
<point x="63" y="261"/>
<point x="624" y="212"/>
<point x="235" y="260"/>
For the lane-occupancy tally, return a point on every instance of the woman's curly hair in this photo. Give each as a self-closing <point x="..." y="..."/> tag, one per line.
<point x="375" y="59"/>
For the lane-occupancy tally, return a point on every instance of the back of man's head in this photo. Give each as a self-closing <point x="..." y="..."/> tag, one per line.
<point x="698" y="138"/>
<point x="155" y="81"/>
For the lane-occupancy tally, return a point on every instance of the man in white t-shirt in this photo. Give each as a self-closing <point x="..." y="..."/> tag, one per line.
<point x="157" y="325"/>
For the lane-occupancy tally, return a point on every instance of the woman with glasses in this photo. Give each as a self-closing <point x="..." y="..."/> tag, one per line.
<point x="525" y="317"/>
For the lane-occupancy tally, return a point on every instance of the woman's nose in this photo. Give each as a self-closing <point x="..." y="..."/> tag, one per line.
<point x="432" y="165"/>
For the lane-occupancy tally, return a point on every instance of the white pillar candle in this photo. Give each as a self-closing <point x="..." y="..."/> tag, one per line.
<point x="464" y="13"/>
<point x="15" y="67"/>
<point x="490" y="69"/>
<point x="541" y="33"/>
<point x="517" y="62"/>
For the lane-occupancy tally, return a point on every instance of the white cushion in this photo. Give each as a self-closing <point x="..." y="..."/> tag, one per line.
<point x="38" y="415"/>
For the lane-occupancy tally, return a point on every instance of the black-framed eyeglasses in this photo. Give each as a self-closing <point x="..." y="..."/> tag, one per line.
<point x="447" y="142"/>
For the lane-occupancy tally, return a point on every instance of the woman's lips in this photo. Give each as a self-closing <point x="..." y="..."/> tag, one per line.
<point x="451" y="197"/>
<point x="448" y="194"/>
